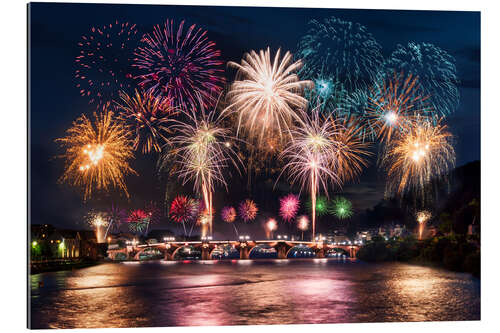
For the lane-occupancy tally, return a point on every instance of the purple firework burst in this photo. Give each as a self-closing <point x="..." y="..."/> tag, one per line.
<point x="248" y="210"/>
<point x="103" y="65"/>
<point x="180" y="64"/>
<point x="228" y="214"/>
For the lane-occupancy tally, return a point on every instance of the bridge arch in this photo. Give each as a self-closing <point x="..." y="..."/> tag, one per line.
<point x="152" y="252"/>
<point x="228" y="250"/>
<point x="265" y="247"/>
<point x="191" y="254"/>
<point x="303" y="248"/>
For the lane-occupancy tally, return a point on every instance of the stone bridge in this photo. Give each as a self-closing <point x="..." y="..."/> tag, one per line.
<point x="283" y="247"/>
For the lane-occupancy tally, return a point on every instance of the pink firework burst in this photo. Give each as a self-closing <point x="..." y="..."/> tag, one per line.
<point x="248" y="210"/>
<point x="103" y="65"/>
<point x="289" y="206"/>
<point x="228" y="214"/>
<point x="180" y="64"/>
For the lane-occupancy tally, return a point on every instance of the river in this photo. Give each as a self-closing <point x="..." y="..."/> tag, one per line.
<point x="163" y="293"/>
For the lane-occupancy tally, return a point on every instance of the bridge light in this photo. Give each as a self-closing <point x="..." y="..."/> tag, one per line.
<point x="247" y="237"/>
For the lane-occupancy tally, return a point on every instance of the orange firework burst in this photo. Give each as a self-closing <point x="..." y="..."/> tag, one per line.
<point x="352" y="151"/>
<point x="266" y="93"/>
<point x="97" y="154"/>
<point x="423" y="152"/>
<point x="147" y="116"/>
<point x="393" y="104"/>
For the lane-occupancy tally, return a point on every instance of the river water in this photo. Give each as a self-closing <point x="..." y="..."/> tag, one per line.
<point x="162" y="293"/>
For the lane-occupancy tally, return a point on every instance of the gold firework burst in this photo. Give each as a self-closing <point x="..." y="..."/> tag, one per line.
<point x="266" y="94"/>
<point x="422" y="153"/>
<point x="97" y="154"/>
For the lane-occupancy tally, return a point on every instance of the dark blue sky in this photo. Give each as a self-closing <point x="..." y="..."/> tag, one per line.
<point x="55" y="101"/>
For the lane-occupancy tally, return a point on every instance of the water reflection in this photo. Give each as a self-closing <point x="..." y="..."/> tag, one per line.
<point x="236" y="292"/>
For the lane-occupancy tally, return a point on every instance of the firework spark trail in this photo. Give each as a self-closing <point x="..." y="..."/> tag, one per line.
<point x="425" y="151"/>
<point x="116" y="216"/>
<point x="302" y="224"/>
<point x="97" y="154"/>
<point x="266" y="94"/>
<point x="147" y="117"/>
<point x="436" y="71"/>
<point x="98" y="221"/>
<point x="228" y="215"/>
<point x="422" y="218"/>
<point x="180" y="65"/>
<point x="103" y="64"/>
<point x="311" y="155"/>
<point x="201" y="152"/>
<point x="393" y="104"/>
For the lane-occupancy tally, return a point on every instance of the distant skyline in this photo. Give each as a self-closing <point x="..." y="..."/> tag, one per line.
<point x="55" y="101"/>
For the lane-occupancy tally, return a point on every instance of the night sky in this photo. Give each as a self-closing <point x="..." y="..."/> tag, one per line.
<point x="55" y="101"/>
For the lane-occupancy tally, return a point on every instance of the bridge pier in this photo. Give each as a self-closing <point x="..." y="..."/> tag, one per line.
<point x="282" y="251"/>
<point x="244" y="252"/>
<point x="205" y="252"/>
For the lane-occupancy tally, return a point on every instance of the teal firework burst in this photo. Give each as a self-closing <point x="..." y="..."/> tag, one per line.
<point x="341" y="49"/>
<point x="436" y="72"/>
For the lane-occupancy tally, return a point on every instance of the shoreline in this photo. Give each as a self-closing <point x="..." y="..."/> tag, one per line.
<point x="60" y="266"/>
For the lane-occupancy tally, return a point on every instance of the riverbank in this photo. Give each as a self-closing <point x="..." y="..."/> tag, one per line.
<point x="456" y="253"/>
<point x="60" y="265"/>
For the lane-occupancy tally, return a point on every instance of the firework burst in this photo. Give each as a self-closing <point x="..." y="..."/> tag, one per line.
<point x="352" y="152"/>
<point x="310" y="156"/>
<point x="422" y="218"/>
<point x="116" y="216"/>
<point x="201" y="152"/>
<point x="147" y="117"/>
<point x="228" y="214"/>
<point x="321" y="207"/>
<point x="266" y="93"/>
<point x="97" y="154"/>
<point x="436" y="71"/>
<point x="341" y="49"/>
<point x="393" y="104"/>
<point x="99" y="222"/>
<point x="341" y="208"/>
<point x="103" y="64"/>
<point x="417" y="156"/>
<point x="138" y="221"/>
<point x="248" y="210"/>
<point x="181" y="65"/>
<point x="184" y="209"/>
<point x="289" y="206"/>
